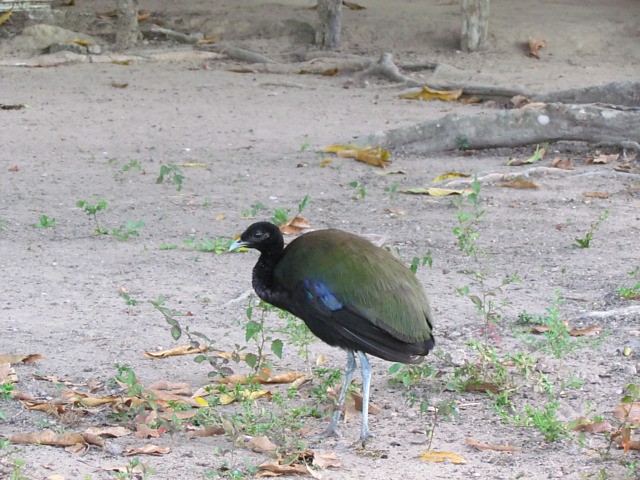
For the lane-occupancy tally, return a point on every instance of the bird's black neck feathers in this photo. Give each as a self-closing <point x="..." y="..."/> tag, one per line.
<point x="263" y="280"/>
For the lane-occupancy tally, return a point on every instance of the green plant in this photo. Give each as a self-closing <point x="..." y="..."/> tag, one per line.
<point x="254" y="210"/>
<point x="281" y="215"/>
<point x="409" y="375"/>
<point x="632" y="292"/>
<point x="45" y="222"/>
<point x="216" y="245"/>
<point x="485" y="298"/>
<point x="132" y="165"/>
<point x="257" y="332"/>
<point x="92" y="211"/>
<point x="135" y="469"/>
<point x="361" y="191"/>
<point x="6" y="390"/>
<point x="392" y="190"/>
<point x="462" y="143"/>
<point x="298" y="334"/>
<point x="416" y="262"/>
<point x="171" y="173"/>
<point x="585" y="241"/>
<point x="130" y="229"/>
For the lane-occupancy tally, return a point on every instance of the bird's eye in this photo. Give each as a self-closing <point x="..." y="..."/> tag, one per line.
<point x="260" y="235"/>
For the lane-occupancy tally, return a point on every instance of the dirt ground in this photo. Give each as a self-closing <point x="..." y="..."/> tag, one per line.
<point x="259" y="138"/>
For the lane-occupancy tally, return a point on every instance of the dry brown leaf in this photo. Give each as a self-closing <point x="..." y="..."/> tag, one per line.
<point x="470" y="100"/>
<point x="603" y="159"/>
<point x="148" y="449"/>
<point x="20" y="358"/>
<point x="86" y="400"/>
<point x="110" y="432"/>
<point x="15" y="168"/>
<point x="583" y="424"/>
<point x="430" y="94"/>
<point x="294" y="226"/>
<point x="326" y="460"/>
<point x="55" y="379"/>
<point x="176" y="388"/>
<point x="588" y="331"/>
<point x="274" y="467"/>
<point x="143" y="16"/>
<point x="483" y="447"/>
<point x="562" y="163"/>
<point x="207" y="40"/>
<point x="119" y="84"/>
<point x="519" y="183"/>
<point x="392" y="211"/>
<point x="628" y="411"/>
<point x="436" y="191"/>
<point x="261" y="444"/>
<point x="7" y="373"/>
<point x="179" y="350"/>
<point x="207" y="432"/>
<point x="626" y="442"/>
<point x="219" y="217"/>
<point x="535" y="45"/>
<point x="357" y="399"/>
<point x="46" y="407"/>
<point x="49" y="437"/>
<point x="434" y="456"/>
<point x="330" y="72"/>
<point x="449" y="175"/>
<point x="601" y="195"/>
<point x="127" y="469"/>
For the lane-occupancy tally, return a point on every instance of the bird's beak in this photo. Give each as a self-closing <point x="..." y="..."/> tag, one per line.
<point x="237" y="244"/>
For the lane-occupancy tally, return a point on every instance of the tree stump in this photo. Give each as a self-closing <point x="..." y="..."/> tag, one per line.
<point x="329" y="19"/>
<point x="127" y="29"/>
<point x="475" y="24"/>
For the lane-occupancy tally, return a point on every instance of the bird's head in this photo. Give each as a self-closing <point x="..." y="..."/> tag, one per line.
<point x="262" y="236"/>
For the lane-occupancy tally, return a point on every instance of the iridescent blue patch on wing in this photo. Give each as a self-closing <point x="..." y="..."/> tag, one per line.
<point x="319" y="292"/>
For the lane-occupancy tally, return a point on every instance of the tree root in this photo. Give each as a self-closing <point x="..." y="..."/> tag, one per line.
<point x="532" y="124"/>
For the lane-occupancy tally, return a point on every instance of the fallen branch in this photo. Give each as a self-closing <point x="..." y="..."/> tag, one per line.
<point x="617" y="93"/>
<point x="177" y="36"/>
<point x="533" y="124"/>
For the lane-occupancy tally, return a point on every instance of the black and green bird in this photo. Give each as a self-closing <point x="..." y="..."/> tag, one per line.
<point x="350" y="293"/>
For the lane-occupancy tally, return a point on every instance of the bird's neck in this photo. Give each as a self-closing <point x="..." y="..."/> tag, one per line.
<point x="264" y="282"/>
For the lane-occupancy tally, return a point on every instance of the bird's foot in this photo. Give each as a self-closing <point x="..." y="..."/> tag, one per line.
<point x="331" y="431"/>
<point x="360" y="444"/>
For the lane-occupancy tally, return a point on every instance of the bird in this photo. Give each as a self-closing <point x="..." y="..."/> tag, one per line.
<point x="350" y="293"/>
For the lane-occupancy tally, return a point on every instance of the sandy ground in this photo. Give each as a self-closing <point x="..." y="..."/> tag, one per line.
<point x="258" y="137"/>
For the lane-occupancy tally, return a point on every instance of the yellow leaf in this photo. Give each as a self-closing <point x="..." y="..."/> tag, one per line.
<point x="5" y="16"/>
<point x="434" y="456"/>
<point x="389" y="172"/>
<point x="207" y="40"/>
<point x="126" y="63"/>
<point x="337" y="148"/>
<point x="201" y="401"/>
<point x="329" y="72"/>
<point x="448" y="175"/>
<point x="372" y="156"/>
<point x="519" y="183"/>
<point x="429" y="94"/>
<point x="192" y="164"/>
<point x="437" y="192"/>
<point x="352" y="5"/>
<point x="325" y="162"/>
<point x="80" y="41"/>
<point x="179" y="350"/>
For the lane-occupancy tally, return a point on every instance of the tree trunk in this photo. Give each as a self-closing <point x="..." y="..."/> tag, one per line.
<point x="127" y="29"/>
<point x="328" y="30"/>
<point x="475" y="24"/>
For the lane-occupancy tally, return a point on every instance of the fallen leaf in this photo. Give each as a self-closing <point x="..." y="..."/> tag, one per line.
<point x="110" y="432"/>
<point x="325" y="162"/>
<point x="562" y="163"/>
<point x="119" y="84"/>
<point x="207" y="432"/>
<point x="389" y="172"/>
<point x="127" y="469"/>
<point x="372" y="156"/>
<point x="46" y="407"/>
<point x="125" y="63"/>
<point x="603" y="159"/>
<point x="207" y="40"/>
<point x="268" y="468"/>
<point x="220" y="217"/>
<point x="392" y="211"/>
<point x="330" y="72"/>
<point x="483" y="447"/>
<point x="519" y="183"/>
<point x="294" y="226"/>
<point x="55" y="379"/>
<point x="348" y="146"/>
<point x="449" y="175"/>
<point x="148" y="449"/>
<point x="193" y="165"/>
<point x="352" y="5"/>
<point x="81" y="42"/>
<point x="483" y="387"/>
<point x="176" y="388"/>
<point x="143" y="16"/>
<point x="179" y="350"/>
<point x="261" y="444"/>
<point x="6" y="16"/>
<point x="226" y="399"/>
<point x="628" y="412"/>
<point x="326" y="460"/>
<point x="534" y="47"/>
<point x="430" y="94"/>
<point x="17" y="106"/>
<point x="15" y="168"/>
<point x="20" y="358"/>
<point x="587" y="331"/>
<point x="436" y="191"/>
<point x="583" y="424"/>
<point x="357" y="398"/>
<point x="7" y="373"/>
<point x="49" y="437"/>
<point x="434" y="456"/>
<point x="601" y="195"/>
<point x="55" y="477"/>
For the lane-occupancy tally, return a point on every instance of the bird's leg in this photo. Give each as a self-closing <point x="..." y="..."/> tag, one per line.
<point x="366" y="386"/>
<point x="332" y="429"/>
